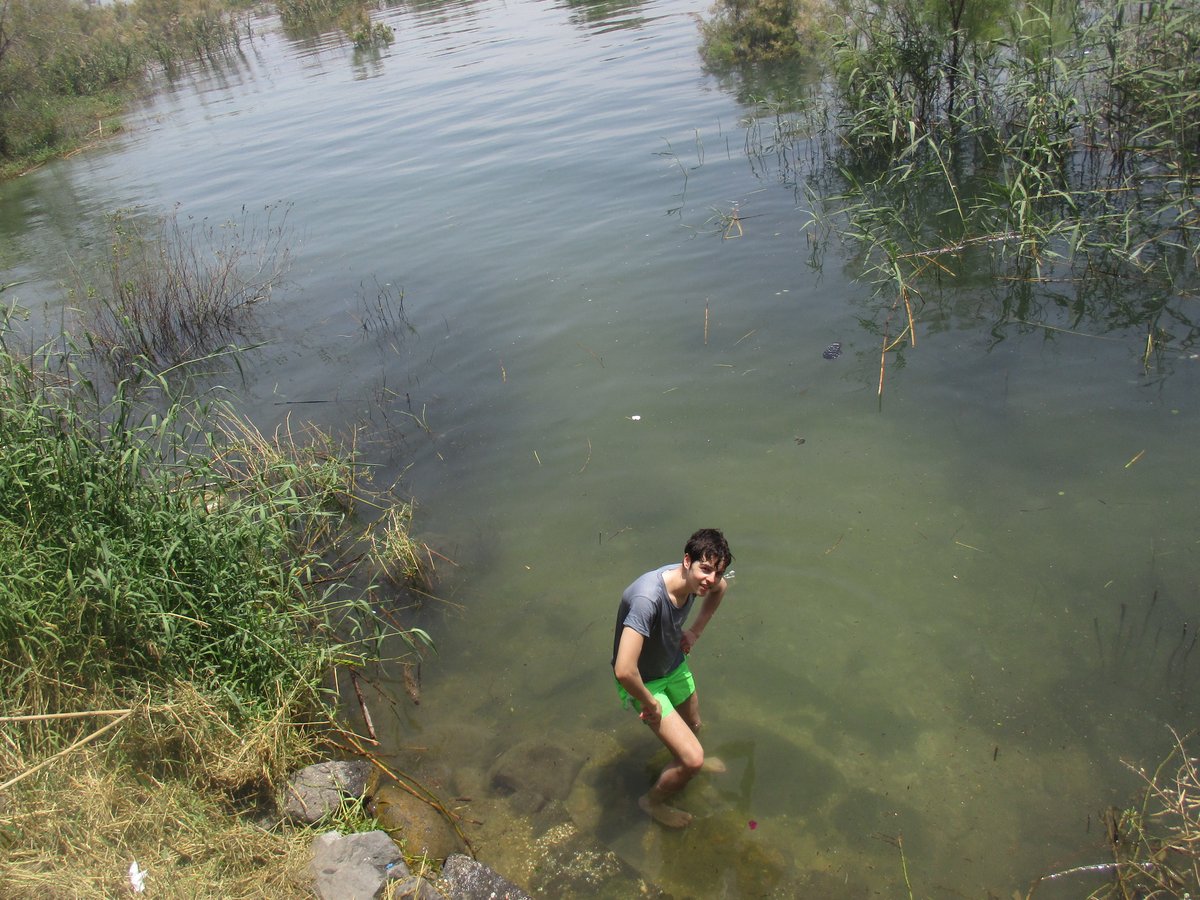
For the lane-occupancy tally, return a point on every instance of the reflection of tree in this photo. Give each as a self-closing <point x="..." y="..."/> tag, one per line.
<point x="605" y="14"/>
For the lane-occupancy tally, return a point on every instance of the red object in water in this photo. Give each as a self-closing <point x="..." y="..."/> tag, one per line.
<point x="752" y="824"/>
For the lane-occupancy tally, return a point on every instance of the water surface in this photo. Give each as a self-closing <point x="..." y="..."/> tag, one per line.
<point x="956" y="613"/>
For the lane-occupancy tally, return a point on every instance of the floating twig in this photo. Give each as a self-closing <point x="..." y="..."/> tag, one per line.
<point x="589" y="456"/>
<point x="734" y="220"/>
<point x="362" y="705"/>
<point x="597" y="358"/>
<point x="1098" y="337"/>
<point x="1136" y="457"/>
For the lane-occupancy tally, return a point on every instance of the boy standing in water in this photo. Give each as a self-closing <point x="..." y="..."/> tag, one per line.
<point x="650" y="651"/>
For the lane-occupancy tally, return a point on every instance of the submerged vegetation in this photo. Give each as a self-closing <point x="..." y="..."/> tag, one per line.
<point x="1155" y="842"/>
<point x="171" y="291"/>
<point x="1056" y="143"/>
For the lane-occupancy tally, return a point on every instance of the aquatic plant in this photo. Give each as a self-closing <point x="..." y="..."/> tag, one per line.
<point x="298" y="14"/>
<point x="1155" y="841"/>
<point x="1028" y="142"/>
<point x="172" y="290"/>
<point x="363" y="33"/>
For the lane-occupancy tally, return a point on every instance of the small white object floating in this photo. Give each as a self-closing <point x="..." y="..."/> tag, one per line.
<point x="635" y="418"/>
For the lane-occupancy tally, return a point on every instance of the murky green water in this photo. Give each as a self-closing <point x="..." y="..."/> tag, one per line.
<point x="954" y="615"/>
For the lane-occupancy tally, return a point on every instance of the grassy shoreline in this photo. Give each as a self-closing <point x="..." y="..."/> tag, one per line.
<point x="176" y="590"/>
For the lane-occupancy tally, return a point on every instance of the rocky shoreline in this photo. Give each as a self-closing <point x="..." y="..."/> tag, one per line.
<point x="534" y="776"/>
<point x="366" y="865"/>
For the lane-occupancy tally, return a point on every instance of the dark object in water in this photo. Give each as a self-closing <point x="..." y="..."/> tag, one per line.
<point x="833" y="351"/>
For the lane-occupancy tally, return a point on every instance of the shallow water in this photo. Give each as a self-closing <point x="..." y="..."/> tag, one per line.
<point x="955" y="613"/>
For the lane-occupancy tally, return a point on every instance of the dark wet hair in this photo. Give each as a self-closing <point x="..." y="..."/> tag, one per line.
<point x="708" y="545"/>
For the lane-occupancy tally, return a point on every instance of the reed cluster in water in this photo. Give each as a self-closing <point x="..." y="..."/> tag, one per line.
<point x="171" y="290"/>
<point x="1054" y="145"/>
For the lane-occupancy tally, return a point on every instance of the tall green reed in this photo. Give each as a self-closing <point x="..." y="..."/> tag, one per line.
<point x="1050" y="145"/>
<point x="148" y="539"/>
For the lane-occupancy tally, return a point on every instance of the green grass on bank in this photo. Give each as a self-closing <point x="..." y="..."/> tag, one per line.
<point x="175" y="590"/>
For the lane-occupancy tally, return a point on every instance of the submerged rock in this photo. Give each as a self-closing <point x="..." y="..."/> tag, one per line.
<point x="533" y="773"/>
<point x="567" y="862"/>
<point x="419" y="828"/>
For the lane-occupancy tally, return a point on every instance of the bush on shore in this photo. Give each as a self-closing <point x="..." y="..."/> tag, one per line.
<point x="66" y="66"/>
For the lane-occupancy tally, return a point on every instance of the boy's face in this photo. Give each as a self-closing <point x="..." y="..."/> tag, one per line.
<point x="702" y="575"/>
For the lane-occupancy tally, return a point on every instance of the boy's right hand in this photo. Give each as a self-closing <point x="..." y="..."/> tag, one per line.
<point x="651" y="713"/>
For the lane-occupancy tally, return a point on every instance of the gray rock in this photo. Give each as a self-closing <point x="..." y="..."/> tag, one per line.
<point x="465" y="879"/>
<point x="318" y="790"/>
<point x="355" y="866"/>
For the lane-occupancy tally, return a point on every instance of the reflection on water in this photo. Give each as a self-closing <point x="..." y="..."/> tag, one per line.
<point x="955" y="614"/>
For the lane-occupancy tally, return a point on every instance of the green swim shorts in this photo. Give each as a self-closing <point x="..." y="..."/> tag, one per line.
<point x="670" y="691"/>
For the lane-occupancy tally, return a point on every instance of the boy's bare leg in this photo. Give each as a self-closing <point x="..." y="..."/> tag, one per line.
<point x="688" y="759"/>
<point x="690" y="710"/>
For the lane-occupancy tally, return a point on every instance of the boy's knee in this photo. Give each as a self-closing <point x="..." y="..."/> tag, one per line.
<point x="693" y="761"/>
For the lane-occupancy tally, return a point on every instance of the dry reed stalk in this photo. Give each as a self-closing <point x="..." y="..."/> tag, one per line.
<point x="47" y="717"/>
<point x="908" y="309"/>
<point x="61" y="753"/>
<point x="706" y="324"/>
<point x="882" y="361"/>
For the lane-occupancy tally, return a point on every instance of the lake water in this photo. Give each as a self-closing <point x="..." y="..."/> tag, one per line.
<point x="956" y="614"/>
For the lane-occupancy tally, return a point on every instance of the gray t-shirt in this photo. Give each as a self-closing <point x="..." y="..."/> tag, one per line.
<point x="646" y="607"/>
